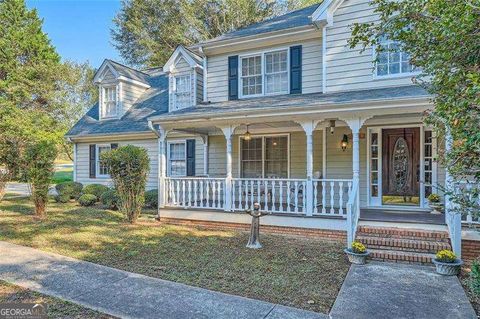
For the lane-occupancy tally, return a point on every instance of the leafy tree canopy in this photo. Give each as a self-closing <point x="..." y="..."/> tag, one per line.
<point x="443" y="38"/>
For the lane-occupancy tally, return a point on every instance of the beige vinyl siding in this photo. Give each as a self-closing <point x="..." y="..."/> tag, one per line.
<point x="82" y="166"/>
<point x="217" y="83"/>
<point x="348" y="69"/>
<point x="130" y="94"/>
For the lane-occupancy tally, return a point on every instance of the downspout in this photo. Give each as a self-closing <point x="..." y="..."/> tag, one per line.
<point x="205" y="75"/>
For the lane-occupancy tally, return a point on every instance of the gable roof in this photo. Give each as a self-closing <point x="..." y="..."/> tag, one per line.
<point x="192" y="59"/>
<point x="120" y="70"/>
<point x="153" y="102"/>
<point x="292" y="19"/>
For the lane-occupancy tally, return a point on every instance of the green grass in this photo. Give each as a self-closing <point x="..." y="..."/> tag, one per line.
<point x="289" y="270"/>
<point x="56" y="308"/>
<point x="63" y="175"/>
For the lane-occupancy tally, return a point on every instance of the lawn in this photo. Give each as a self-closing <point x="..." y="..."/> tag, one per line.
<point x="62" y="175"/>
<point x="56" y="308"/>
<point x="293" y="271"/>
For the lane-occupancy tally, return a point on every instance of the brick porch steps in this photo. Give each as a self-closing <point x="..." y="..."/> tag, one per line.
<point x="409" y="245"/>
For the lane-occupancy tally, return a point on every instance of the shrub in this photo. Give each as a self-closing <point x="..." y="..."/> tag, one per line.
<point x="110" y="199"/>
<point x="446" y="256"/>
<point x="474" y="280"/>
<point x="71" y="189"/>
<point x="87" y="200"/>
<point x="62" y="198"/>
<point x="128" y="167"/>
<point x="358" y="247"/>
<point x="433" y="198"/>
<point x="38" y="163"/>
<point x="95" y="189"/>
<point x="151" y="198"/>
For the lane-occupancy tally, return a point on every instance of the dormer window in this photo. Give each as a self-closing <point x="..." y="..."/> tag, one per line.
<point x="109" y="102"/>
<point x="182" y="91"/>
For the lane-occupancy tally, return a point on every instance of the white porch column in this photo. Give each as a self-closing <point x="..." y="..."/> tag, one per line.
<point x="162" y="168"/>
<point x="228" y="132"/>
<point x="309" y="127"/>
<point x="205" y="154"/>
<point x="453" y="219"/>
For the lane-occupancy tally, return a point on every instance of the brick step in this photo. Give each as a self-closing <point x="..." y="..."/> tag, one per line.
<point x="401" y="256"/>
<point x="401" y="244"/>
<point x="403" y="233"/>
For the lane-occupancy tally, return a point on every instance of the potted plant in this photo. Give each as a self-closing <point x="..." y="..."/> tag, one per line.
<point x="435" y="204"/>
<point x="357" y="254"/>
<point x="447" y="263"/>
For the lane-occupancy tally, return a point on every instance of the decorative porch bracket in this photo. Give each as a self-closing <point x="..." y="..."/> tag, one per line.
<point x="309" y="126"/>
<point x="228" y="132"/>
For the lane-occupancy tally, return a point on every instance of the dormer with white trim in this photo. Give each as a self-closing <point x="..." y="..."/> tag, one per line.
<point x="119" y="87"/>
<point x="185" y="74"/>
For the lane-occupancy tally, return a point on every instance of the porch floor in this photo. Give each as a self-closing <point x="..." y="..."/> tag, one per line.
<point x="406" y="216"/>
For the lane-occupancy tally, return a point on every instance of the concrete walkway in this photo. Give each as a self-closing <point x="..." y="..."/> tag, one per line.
<point x="128" y="295"/>
<point x="388" y="290"/>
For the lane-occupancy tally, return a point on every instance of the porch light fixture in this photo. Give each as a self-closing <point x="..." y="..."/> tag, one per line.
<point x="332" y="126"/>
<point x="344" y="142"/>
<point x="247" y="136"/>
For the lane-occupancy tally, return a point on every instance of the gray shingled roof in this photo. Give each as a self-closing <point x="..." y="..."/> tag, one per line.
<point x="129" y="72"/>
<point x="293" y="19"/>
<point x="303" y="100"/>
<point x="153" y="102"/>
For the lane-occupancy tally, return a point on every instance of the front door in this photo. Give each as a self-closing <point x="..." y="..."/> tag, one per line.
<point x="401" y="166"/>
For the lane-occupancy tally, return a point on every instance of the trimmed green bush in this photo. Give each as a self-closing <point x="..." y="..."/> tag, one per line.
<point x="151" y="198"/>
<point x="128" y="167"/>
<point x="110" y="199"/>
<point x="87" y="200"/>
<point x="62" y="198"/>
<point x="95" y="189"/>
<point x="474" y="280"/>
<point x="71" y="189"/>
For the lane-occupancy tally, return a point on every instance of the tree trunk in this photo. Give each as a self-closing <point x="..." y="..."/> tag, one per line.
<point x="253" y="241"/>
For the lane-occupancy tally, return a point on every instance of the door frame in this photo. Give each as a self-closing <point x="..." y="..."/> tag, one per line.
<point x="377" y="201"/>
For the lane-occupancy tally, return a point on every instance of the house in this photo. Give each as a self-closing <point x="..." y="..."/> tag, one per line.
<point x="283" y="113"/>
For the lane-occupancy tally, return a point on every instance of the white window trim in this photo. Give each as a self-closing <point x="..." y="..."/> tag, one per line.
<point x="174" y="89"/>
<point x="263" y="68"/>
<point x="102" y="110"/>
<point x="176" y="141"/>
<point x="97" y="160"/>
<point x="389" y="76"/>
<point x="263" y="136"/>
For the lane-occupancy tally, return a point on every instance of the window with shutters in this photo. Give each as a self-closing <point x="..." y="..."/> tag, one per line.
<point x="109" y="102"/>
<point x="264" y="74"/>
<point x="177" y="158"/>
<point x="102" y="169"/>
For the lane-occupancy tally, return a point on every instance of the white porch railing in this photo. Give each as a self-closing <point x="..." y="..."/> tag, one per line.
<point x="330" y="196"/>
<point x="196" y="192"/>
<point x="353" y="213"/>
<point x="273" y="195"/>
<point x="472" y="195"/>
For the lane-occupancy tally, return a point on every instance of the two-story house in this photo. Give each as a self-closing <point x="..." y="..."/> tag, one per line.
<point x="282" y="113"/>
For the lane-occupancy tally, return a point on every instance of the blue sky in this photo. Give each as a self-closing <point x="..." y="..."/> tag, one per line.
<point x="79" y="29"/>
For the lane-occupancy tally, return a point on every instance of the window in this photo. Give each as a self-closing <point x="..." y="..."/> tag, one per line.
<point x="182" y="91"/>
<point x="109" y="101"/>
<point x="266" y="73"/>
<point x="264" y="157"/>
<point x="392" y="60"/>
<point x="177" y="159"/>
<point x="102" y="170"/>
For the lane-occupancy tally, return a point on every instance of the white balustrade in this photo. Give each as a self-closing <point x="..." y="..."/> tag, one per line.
<point x="330" y="196"/>
<point x="353" y="212"/>
<point x="195" y="192"/>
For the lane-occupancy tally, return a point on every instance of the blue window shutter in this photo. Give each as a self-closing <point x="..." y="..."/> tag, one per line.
<point x="190" y="157"/>
<point x="233" y="77"/>
<point x="296" y="69"/>
<point x="92" y="161"/>
<point x="114" y="146"/>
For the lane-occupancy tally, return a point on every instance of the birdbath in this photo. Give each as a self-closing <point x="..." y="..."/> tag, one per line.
<point x="253" y="241"/>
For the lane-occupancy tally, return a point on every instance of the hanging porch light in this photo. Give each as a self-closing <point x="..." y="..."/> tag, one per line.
<point x="247" y="136"/>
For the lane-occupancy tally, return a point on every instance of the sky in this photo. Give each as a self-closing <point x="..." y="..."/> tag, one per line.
<point x="79" y="29"/>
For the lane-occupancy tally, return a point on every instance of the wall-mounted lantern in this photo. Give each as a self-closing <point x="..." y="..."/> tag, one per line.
<point x="344" y="143"/>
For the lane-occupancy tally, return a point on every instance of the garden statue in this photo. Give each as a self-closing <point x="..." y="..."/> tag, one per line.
<point x="253" y="241"/>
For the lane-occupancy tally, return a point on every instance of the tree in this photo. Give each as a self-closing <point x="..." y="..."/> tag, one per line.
<point x="443" y="39"/>
<point x="129" y="166"/>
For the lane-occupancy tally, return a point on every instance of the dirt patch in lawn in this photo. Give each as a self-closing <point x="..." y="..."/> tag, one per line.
<point x="293" y="271"/>
<point x="56" y="308"/>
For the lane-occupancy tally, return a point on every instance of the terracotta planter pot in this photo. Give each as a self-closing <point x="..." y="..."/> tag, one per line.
<point x="448" y="269"/>
<point x="357" y="259"/>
